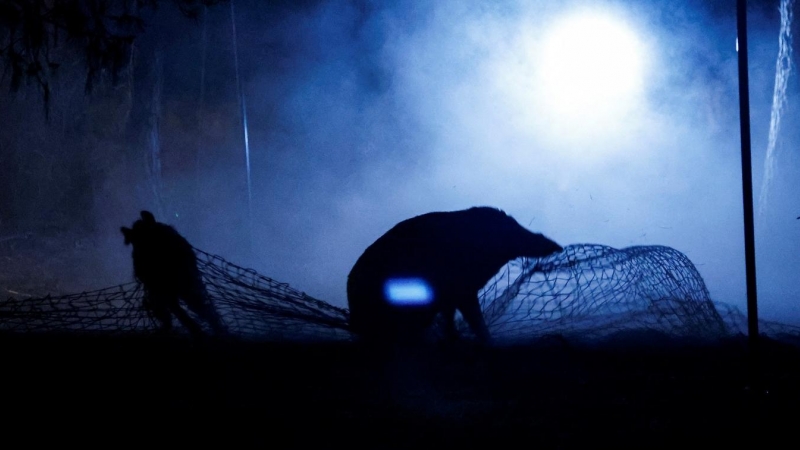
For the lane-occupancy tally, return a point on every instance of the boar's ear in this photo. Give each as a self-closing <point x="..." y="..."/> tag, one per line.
<point x="148" y="217"/>
<point x="128" y="233"/>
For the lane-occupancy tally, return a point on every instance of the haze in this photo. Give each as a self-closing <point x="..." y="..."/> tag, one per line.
<point x="363" y="114"/>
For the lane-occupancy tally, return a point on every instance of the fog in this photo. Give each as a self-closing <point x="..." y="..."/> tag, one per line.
<point x="363" y="114"/>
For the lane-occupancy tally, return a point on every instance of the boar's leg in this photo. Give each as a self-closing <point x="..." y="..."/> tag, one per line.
<point x="449" y="316"/>
<point x="471" y="310"/>
<point x="183" y="317"/>
<point x="157" y="306"/>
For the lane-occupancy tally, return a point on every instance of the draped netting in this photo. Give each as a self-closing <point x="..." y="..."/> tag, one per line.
<point x="590" y="291"/>
<point x="587" y="291"/>
<point x="251" y="306"/>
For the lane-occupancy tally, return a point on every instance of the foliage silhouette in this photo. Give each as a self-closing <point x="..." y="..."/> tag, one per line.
<point x="34" y="34"/>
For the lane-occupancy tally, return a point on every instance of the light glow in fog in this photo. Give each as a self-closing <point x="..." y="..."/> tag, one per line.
<point x="591" y="68"/>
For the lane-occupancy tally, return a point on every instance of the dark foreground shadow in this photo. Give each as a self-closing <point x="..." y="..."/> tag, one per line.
<point x="552" y="391"/>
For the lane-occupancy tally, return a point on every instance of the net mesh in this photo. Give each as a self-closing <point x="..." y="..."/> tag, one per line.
<point x="591" y="290"/>
<point x="587" y="291"/>
<point x="595" y="289"/>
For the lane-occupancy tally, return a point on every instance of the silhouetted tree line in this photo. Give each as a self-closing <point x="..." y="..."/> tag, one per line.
<point x="102" y="31"/>
<point x="90" y="156"/>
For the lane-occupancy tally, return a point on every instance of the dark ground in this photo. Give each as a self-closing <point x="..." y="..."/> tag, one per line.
<point x="552" y="394"/>
<point x="113" y="392"/>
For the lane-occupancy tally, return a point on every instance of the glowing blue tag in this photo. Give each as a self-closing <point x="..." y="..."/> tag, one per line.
<point x="408" y="291"/>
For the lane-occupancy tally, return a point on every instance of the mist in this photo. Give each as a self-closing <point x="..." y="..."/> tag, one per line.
<point x="363" y="114"/>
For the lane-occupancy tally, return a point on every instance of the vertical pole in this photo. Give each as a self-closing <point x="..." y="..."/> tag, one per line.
<point x="243" y="107"/>
<point x="747" y="191"/>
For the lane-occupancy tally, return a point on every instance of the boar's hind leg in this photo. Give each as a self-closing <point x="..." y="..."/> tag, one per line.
<point x="183" y="317"/>
<point x="449" y="316"/>
<point x="471" y="310"/>
<point x="206" y="311"/>
<point x="157" y="306"/>
<point x="199" y="302"/>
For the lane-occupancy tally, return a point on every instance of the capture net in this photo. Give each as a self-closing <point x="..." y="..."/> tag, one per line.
<point x="586" y="291"/>
<point x="590" y="291"/>
<point x="250" y="305"/>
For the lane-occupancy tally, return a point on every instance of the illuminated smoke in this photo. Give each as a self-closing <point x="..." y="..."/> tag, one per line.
<point x="783" y="68"/>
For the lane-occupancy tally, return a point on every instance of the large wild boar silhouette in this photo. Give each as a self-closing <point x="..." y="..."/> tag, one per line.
<point x="165" y="263"/>
<point x="435" y="263"/>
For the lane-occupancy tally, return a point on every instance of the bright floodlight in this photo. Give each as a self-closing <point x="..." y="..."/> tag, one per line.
<point x="408" y="291"/>
<point x="591" y="68"/>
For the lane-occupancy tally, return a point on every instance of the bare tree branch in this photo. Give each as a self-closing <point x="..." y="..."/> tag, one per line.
<point x="103" y="31"/>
